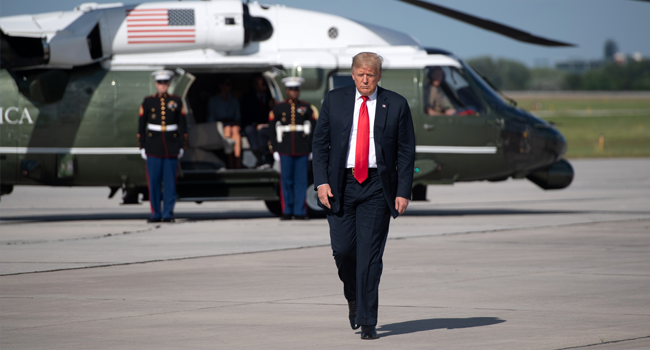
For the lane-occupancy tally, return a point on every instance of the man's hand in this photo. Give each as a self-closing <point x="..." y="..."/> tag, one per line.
<point x="181" y="152"/>
<point x="143" y="153"/>
<point x="324" y="194"/>
<point x="400" y="203"/>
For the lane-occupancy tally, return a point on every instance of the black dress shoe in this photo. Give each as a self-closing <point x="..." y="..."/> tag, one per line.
<point x="352" y="306"/>
<point x="150" y="220"/>
<point x="368" y="332"/>
<point x="169" y="220"/>
<point x="285" y="217"/>
<point x="300" y="217"/>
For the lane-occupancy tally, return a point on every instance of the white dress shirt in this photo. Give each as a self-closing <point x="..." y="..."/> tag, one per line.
<point x="352" y="146"/>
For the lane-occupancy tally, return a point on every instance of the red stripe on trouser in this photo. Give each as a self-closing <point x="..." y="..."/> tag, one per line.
<point x="281" y="192"/>
<point x="146" y="169"/>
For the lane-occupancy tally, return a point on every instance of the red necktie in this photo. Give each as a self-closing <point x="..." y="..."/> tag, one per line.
<point x="363" y="143"/>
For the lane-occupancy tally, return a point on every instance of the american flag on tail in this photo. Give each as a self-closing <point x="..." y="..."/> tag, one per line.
<point x="160" y="26"/>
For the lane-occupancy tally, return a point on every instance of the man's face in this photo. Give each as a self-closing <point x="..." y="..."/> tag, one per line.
<point x="162" y="86"/>
<point x="259" y="85"/>
<point x="366" y="79"/>
<point x="225" y="86"/>
<point x="293" y="94"/>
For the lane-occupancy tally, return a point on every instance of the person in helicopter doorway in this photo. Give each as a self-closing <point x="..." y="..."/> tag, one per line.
<point x="255" y="108"/>
<point x="291" y="124"/>
<point x="437" y="103"/>
<point x="162" y="138"/>
<point x="224" y="108"/>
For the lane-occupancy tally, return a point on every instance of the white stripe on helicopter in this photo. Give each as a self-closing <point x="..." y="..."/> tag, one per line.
<point x="73" y="150"/>
<point x="135" y="150"/>
<point x="456" y="149"/>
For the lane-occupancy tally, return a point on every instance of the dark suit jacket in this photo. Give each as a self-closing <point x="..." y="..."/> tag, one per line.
<point x="394" y="144"/>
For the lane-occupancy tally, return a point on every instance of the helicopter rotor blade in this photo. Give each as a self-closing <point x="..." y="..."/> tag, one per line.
<point x="487" y="24"/>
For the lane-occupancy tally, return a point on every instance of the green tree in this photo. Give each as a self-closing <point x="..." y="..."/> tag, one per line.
<point x="633" y="76"/>
<point x="546" y="79"/>
<point x="505" y="74"/>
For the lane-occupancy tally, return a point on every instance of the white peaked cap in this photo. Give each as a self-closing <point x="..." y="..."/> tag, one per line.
<point x="293" y="81"/>
<point x="163" y="74"/>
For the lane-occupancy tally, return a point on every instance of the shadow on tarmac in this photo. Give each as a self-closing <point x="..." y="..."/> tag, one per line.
<point x="137" y="216"/>
<point x="435" y="323"/>
<point x="203" y="216"/>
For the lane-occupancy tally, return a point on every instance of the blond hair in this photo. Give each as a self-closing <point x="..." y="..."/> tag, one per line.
<point x="367" y="59"/>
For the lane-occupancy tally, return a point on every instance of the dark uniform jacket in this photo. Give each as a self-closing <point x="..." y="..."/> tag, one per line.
<point x="291" y="126"/>
<point x="162" y="111"/>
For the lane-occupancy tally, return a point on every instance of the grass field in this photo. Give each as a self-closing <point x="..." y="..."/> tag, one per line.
<point x="625" y="135"/>
<point x="582" y="104"/>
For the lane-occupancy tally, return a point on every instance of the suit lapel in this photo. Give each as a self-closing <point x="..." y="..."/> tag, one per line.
<point x="381" y="110"/>
<point x="347" y="118"/>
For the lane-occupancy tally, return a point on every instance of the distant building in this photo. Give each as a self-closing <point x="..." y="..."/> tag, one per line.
<point x="578" y="66"/>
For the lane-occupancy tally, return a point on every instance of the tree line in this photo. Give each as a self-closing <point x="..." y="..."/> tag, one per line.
<point x="508" y="74"/>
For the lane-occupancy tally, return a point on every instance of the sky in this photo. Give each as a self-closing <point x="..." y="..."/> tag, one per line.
<point x="587" y="23"/>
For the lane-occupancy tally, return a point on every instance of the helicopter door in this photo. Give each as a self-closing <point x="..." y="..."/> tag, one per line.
<point x="181" y="87"/>
<point x="274" y="88"/>
<point x="453" y="122"/>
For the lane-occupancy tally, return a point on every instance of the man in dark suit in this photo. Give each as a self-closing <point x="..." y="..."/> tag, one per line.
<point x="363" y="155"/>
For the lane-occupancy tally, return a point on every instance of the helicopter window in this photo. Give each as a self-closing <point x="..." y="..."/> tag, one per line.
<point x="340" y="80"/>
<point x="447" y="92"/>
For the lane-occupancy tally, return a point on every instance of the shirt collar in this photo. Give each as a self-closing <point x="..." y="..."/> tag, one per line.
<point x="370" y="98"/>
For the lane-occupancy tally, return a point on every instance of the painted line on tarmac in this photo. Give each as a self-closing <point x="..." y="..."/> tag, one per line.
<point x="603" y="343"/>
<point x="107" y="235"/>
<point x="326" y="245"/>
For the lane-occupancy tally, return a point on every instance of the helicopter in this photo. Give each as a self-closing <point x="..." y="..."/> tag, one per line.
<point x="71" y="84"/>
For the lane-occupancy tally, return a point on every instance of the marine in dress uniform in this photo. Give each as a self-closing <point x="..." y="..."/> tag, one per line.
<point x="162" y="138"/>
<point x="291" y="124"/>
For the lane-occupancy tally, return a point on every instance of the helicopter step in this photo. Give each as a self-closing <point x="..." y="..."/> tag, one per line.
<point x="231" y="184"/>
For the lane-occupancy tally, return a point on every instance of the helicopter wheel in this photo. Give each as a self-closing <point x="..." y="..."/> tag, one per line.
<point x="274" y="207"/>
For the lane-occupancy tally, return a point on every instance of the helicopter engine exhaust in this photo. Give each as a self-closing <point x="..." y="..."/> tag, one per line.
<point x="554" y="177"/>
<point x="17" y="52"/>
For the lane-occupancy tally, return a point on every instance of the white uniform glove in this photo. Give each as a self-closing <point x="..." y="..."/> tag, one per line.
<point x="276" y="156"/>
<point x="143" y="154"/>
<point x="180" y="153"/>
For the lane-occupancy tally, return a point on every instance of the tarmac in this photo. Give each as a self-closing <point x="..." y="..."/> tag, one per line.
<point x="478" y="266"/>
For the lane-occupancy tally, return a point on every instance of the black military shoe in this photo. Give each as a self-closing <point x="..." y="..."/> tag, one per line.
<point x="285" y="217"/>
<point x="300" y="217"/>
<point x="150" y="220"/>
<point x="368" y="332"/>
<point x="352" y="307"/>
<point x="169" y="220"/>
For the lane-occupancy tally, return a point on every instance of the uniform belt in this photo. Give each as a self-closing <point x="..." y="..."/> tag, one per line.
<point x="156" y="127"/>
<point x="293" y="127"/>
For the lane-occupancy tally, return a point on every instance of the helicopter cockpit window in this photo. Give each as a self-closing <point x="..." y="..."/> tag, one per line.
<point x="340" y="80"/>
<point x="447" y="92"/>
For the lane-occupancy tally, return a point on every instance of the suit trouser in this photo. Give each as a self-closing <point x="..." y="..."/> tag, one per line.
<point x="161" y="174"/>
<point x="294" y="184"/>
<point x="358" y="233"/>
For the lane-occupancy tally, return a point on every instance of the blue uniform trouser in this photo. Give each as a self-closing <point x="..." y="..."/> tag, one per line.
<point x="161" y="175"/>
<point x="294" y="184"/>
